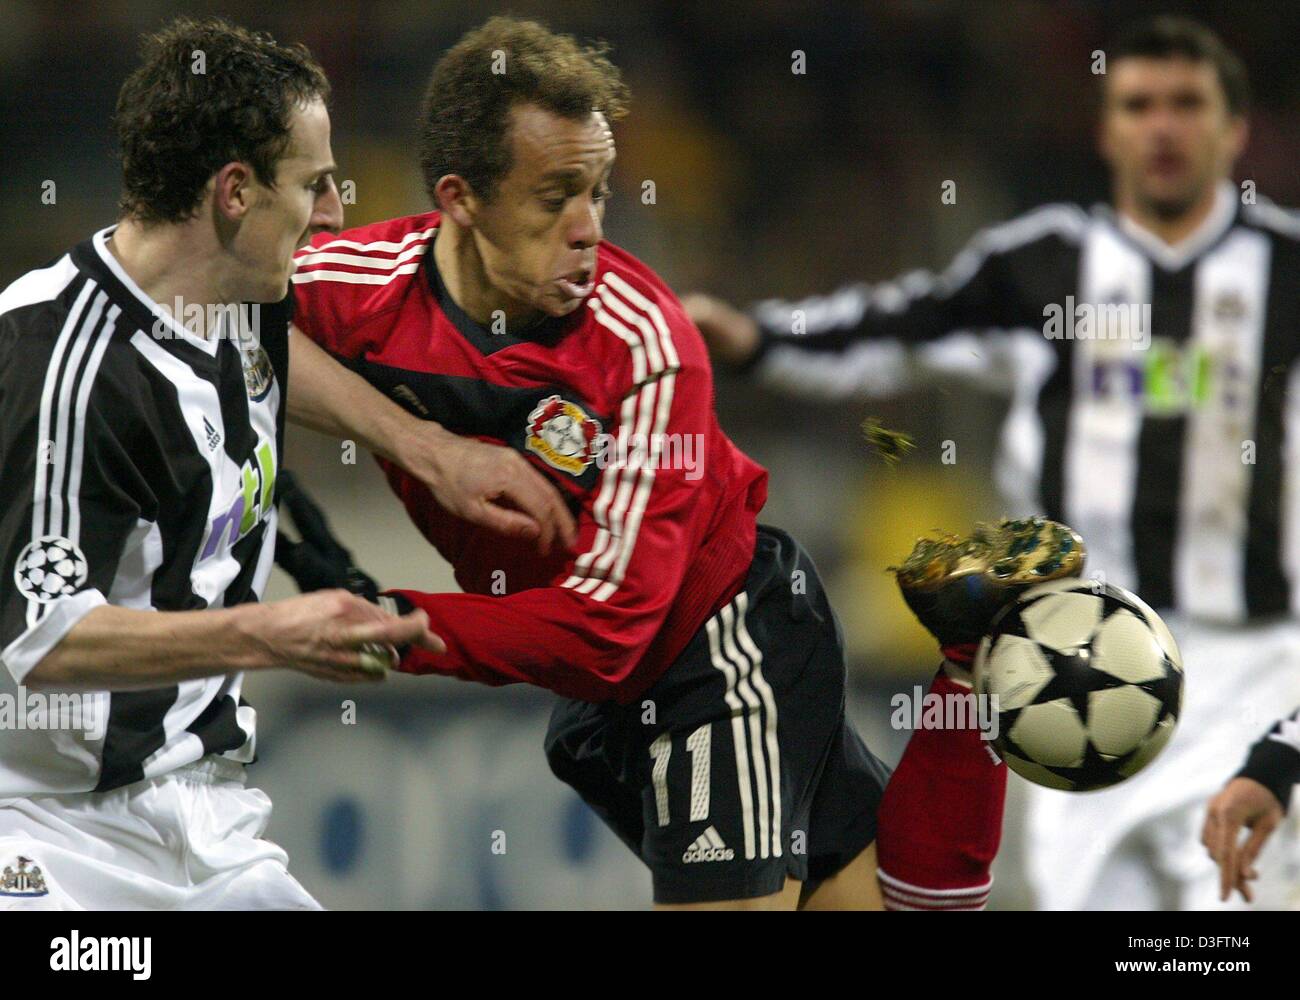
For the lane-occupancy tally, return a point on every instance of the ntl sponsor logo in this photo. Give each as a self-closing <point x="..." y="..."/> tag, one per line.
<point x="49" y="711"/>
<point x="968" y="710"/>
<point x="250" y="505"/>
<point x="102" y="954"/>
<point x="1169" y="378"/>
<point x="651" y="451"/>
<point x="1130" y="321"/>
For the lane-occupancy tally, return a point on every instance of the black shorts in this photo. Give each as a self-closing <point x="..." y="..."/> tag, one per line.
<point x="738" y="767"/>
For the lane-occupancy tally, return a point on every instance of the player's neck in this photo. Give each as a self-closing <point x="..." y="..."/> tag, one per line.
<point x="463" y="275"/>
<point x="170" y="264"/>
<point x="1170" y="230"/>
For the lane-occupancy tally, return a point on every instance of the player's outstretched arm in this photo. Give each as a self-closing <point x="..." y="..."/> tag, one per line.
<point x="858" y="339"/>
<point x="585" y="634"/>
<point x="332" y="635"/>
<point x="733" y="336"/>
<point x="484" y="484"/>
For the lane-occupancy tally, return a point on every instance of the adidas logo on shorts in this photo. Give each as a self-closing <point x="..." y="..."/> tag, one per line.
<point x="708" y="846"/>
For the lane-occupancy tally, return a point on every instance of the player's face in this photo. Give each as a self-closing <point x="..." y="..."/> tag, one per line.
<point x="303" y="202"/>
<point x="1167" y="132"/>
<point x="537" y="236"/>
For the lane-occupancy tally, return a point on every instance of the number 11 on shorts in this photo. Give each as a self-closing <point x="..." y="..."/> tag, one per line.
<point x="699" y="746"/>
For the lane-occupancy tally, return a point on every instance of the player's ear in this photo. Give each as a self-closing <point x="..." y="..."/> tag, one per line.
<point x="456" y="199"/>
<point x="232" y="193"/>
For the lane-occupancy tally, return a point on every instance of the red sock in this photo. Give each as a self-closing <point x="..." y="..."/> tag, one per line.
<point x="941" y="818"/>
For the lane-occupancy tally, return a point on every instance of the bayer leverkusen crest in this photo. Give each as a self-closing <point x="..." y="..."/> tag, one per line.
<point x="562" y="434"/>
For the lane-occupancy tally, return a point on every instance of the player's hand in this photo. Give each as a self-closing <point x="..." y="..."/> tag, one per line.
<point x="337" y="636"/>
<point x="1242" y="803"/>
<point x="490" y="485"/>
<point x="731" y="336"/>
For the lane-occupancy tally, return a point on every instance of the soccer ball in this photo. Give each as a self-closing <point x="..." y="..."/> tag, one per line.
<point x="1087" y="683"/>
<point x="50" y="568"/>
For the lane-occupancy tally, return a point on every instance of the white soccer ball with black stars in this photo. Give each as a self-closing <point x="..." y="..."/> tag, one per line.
<point x="1088" y="684"/>
<point x="49" y="568"/>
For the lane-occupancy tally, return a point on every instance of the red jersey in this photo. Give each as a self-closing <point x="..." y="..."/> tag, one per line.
<point x="613" y="403"/>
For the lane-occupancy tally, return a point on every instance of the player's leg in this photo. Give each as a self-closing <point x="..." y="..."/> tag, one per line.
<point x="230" y="865"/>
<point x="940" y="821"/>
<point x="842" y="862"/>
<point x="1080" y="847"/>
<point x="171" y="842"/>
<point x="88" y="851"/>
<point x="1128" y="879"/>
<point x="1240" y="680"/>
<point x="841" y="873"/>
<point x="716" y="791"/>
<point x="585" y="749"/>
<point x="854" y="887"/>
<point x="1099" y="854"/>
<point x="941" y="818"/>
<point x="728" y="750"/>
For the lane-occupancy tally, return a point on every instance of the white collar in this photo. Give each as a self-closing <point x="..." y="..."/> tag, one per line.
<point x="206" y="344"/>
<point x="1174" y="256"/>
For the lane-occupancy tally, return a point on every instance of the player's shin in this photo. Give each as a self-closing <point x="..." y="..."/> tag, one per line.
<point x="941" y="816"/>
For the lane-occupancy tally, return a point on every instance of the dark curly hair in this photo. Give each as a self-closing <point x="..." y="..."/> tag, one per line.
<point x="504" y="62"/>
<point x="207" y="92"/>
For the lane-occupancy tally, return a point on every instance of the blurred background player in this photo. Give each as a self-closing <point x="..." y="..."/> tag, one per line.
<point x="1148" y="351"/>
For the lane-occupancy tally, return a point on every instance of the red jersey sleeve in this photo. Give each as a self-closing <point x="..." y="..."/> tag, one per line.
<point x="640" y="528"/>
<point x="343" y="282"/>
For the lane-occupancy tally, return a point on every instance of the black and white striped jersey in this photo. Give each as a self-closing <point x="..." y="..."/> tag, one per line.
<point x="1275" y="760"/>
<point x="1154" y="405"/>
<point x="137" y="468"/>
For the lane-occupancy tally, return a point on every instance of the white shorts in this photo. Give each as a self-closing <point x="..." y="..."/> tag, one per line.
<point x="187" y="840"/>
<point x="1137" y="845"/>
